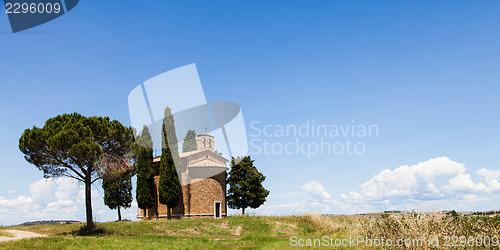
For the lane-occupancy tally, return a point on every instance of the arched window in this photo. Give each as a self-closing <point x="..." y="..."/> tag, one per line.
<point x="209" y="143"/>
<point x="204" y="142"/>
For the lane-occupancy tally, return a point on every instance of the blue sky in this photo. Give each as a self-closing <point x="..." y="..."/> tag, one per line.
<point x="425" y="72"/>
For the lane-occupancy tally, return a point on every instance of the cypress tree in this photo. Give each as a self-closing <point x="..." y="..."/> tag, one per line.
<point x="146" y="187"/>
<point x="189" y="143"/>
<point x="169" y="187"/>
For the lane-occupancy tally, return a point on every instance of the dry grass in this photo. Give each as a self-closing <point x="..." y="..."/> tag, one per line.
<point x="414" y="225"/>
<point x="6" y="234"/>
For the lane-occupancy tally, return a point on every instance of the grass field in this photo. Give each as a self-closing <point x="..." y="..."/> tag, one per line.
<point x="236" y="231"/>
<point x="255" y="232"/>
<point x="3" y="233"/>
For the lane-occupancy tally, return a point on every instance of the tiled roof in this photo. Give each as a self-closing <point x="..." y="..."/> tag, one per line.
<point x="186" y="154"/>
<point x="190" y="153"/>
<point x="207" y="163"/>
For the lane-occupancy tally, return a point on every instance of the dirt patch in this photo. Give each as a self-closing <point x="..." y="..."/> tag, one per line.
<point x="169" y="233"/>
<point x="283" y="224"/>
<point x="17" y="235"/>
<point x="282" y="227"/>
<point x="236" y="231"/>
<point x="191" y="231"/>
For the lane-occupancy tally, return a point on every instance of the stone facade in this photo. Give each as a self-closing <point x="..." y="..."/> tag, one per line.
<point x="203" y="180"/>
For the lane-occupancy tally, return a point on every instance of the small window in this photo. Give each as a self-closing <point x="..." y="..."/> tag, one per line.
<point x="204" y="142"/>
<point x="209" y="143"/>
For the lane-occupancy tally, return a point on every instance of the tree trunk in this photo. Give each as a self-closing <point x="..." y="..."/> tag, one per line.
<point x="88" y="202"/>
<point x="119" y="214"/>
<point x="144" y="213"/>
<point x="243" y="211"/>
<point x="169" y="216"/>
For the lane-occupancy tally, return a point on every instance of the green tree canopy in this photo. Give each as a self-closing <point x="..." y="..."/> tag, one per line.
<point x="245" y="185"/>
<point x="117" y="186"/>
<point x="72" y="145"/>
<point x="146" y="187"/>
<point x="189" y="143"/>
<point x="169" y="187"/>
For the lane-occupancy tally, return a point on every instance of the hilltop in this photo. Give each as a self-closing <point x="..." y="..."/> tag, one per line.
<point x="47" y="222"/>
<point x="230" y="232"/>
<point x="265" y="232"/>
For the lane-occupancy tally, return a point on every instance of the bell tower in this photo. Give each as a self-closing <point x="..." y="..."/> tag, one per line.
<point x="205" y="141"/>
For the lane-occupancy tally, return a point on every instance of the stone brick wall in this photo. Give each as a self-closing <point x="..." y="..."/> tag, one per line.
<point x="198" y="195"/>
<point x="204" y="192"/>
<point x="196" y="199"/>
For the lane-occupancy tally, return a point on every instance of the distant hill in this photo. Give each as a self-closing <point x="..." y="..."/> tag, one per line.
<point x="48" y="222"/>
<point x="484" y="213"/>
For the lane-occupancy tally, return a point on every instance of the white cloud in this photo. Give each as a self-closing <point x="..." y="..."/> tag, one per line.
<point x="354" y="197"/>
<point x="57" y="199"/>
<point x="416" y="181"/>
<point x="280" y="209"/>
<point x="435" y="184"/>
<point x="419" y="184"/>
<point x="10" y="192"/>
<point x="43" y="191"/>
<point x="316" y="190"/>
<point x="319" y="202"/>
<point x="293" y="208"/>
<point x="491" y="178"/>
<point x="464" y="183"/>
